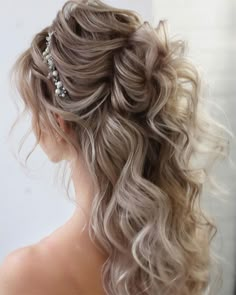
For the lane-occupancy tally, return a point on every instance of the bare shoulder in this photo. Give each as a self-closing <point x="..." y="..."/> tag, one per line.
<point x="21" y="271"/>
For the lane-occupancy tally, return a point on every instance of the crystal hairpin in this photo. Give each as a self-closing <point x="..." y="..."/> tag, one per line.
<point x="60" y="89"/>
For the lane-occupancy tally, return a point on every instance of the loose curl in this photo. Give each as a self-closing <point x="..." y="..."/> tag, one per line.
<point x="140" y="121"/>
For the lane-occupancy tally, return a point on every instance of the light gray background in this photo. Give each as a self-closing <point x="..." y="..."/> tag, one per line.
<point x="31" y="205"/>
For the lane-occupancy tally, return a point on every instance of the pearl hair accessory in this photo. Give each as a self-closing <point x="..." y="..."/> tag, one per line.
<point x="60" y="90"/>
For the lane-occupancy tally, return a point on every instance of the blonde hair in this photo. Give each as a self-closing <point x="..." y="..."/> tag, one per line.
<point x="138" y="112"/>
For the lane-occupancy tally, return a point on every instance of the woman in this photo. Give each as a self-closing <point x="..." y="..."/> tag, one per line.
<point x="120" y="102"/>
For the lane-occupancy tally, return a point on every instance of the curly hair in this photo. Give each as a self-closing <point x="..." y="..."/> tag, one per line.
<point x="141" y="123"/>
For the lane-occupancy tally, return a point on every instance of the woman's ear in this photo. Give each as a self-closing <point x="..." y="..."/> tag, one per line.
<point x="62" y="123"/>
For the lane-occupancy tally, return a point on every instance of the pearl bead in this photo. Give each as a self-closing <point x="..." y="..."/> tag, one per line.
<point x="48" y="56"/>
<point x="57" y="91"/>
<point x="55" y="73"/>
<point x="59" y="84"/>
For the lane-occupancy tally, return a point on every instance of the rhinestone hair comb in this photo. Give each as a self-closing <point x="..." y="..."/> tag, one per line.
<point x="53" y="73"/>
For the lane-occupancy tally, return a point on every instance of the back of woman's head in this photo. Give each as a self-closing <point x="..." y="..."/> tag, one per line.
<point x="136" y="108"/>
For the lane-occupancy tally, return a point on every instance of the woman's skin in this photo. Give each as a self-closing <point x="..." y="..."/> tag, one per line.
<point x="66" y="262"/>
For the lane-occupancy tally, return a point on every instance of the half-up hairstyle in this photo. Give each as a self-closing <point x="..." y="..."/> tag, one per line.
<point x="137" y="110"/>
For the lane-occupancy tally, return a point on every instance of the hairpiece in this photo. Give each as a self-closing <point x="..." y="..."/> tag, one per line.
<point x="60" y="89"/>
